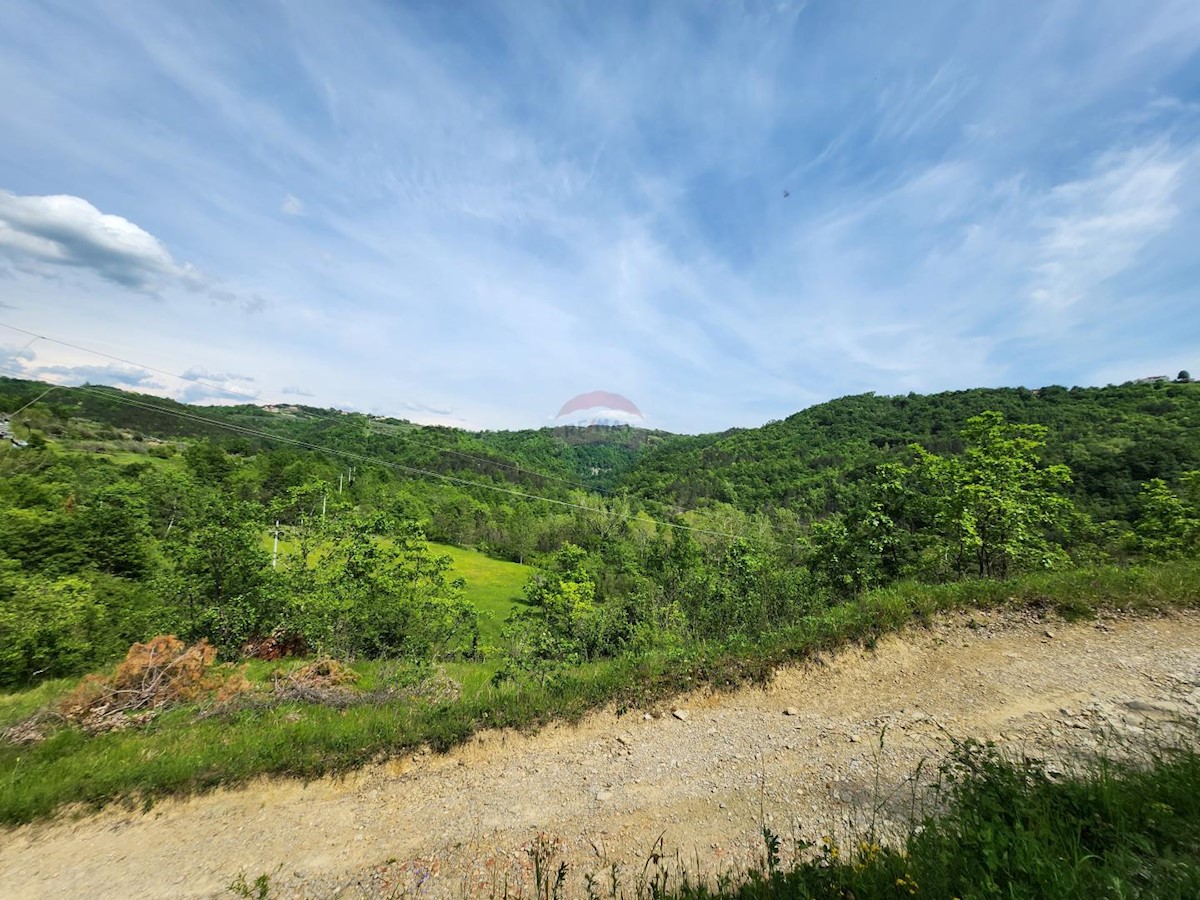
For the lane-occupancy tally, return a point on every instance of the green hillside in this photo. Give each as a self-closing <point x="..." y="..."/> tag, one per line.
<point x="568" y="458"/>
<point x="1113" y="438"/>
<point x="125" y="519"/>
<point x="127" y="515"/>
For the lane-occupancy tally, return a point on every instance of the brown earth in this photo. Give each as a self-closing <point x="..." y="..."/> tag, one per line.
<point x="813" y="754"/>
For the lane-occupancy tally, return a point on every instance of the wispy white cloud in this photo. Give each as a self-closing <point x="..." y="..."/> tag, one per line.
<point x="206" y="385"/>
<point x="1094" y="228"/>
<point x="202" y="374"/>
<point x="118" y="375"/>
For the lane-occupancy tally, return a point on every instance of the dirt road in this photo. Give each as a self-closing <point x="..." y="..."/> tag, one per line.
<point x="804" y="755"/>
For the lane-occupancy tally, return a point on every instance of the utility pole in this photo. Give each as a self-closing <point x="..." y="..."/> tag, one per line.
<point x="339" y="482"/>
<point x="324" y="498"/>
<point x="275" y="552"/>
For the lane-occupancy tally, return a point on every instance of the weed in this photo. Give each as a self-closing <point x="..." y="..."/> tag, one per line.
<point x="259" y="889"/>
<point x="1008" y="830"/>
<point x="549" y="881"/>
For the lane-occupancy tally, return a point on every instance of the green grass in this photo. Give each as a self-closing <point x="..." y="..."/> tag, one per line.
<point x="1111" y="831"/>
<point x="179" y="753"/>
<point x="17" y="707"/>
<point x="493" y="586"/>
<point x="114" y="453"/>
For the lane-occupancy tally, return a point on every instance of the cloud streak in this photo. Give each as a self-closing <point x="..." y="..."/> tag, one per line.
<point x="1095" y="227"/>
<point x="121" y="376"/>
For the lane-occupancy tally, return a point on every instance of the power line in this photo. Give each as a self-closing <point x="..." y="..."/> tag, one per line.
<point x="411" y="470"/>
<point x="227" y="390"/>
<point x="33" y="401"/>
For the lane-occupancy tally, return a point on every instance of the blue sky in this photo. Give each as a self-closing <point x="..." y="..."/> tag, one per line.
<point x="466" y="213"/>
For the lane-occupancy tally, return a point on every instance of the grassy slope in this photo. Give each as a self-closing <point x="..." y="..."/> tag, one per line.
<point x="179" y="753"/>
<point x="493" y="585"/>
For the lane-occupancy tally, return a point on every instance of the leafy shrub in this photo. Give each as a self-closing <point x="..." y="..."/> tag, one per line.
<point x="374" y="590"/>
<point x="52" y="627"/>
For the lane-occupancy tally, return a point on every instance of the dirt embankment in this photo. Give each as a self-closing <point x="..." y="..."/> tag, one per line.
<point x="810" y="755"/>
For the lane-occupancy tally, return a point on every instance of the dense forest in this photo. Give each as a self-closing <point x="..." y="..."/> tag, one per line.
<point x="126" y="516"/>
<point x="1114" y="439"/>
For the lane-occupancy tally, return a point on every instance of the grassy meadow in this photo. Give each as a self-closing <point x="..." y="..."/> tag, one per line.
<point x="493" y="586"/>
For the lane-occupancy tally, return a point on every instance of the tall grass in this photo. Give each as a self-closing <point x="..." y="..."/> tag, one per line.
<point x="181" y="753"/>
<point x="1114" y="830"/>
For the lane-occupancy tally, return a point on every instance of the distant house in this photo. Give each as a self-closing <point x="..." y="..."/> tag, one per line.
<point x="1151" y="379"/>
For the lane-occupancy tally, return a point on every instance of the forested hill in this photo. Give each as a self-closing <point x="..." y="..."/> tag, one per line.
<point x="573" y="458"/>
<point x="1113" y="438"/>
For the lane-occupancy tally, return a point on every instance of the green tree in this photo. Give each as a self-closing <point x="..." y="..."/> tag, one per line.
<point x="115" y="528"/>
<point x="55" y="627"/>
<point x="1169" y="525"/>
<point x="208" y="462"/>
<point x="373" y="588"/>
<point x="564" y="622"/>
<point x="877" y="539"/>
<point x="996" y="506"/>
<point x="221" y="576"/>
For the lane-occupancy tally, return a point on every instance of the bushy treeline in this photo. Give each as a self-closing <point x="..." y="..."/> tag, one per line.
<point x="95" y="554"/>
<point x="993" y="510"/>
